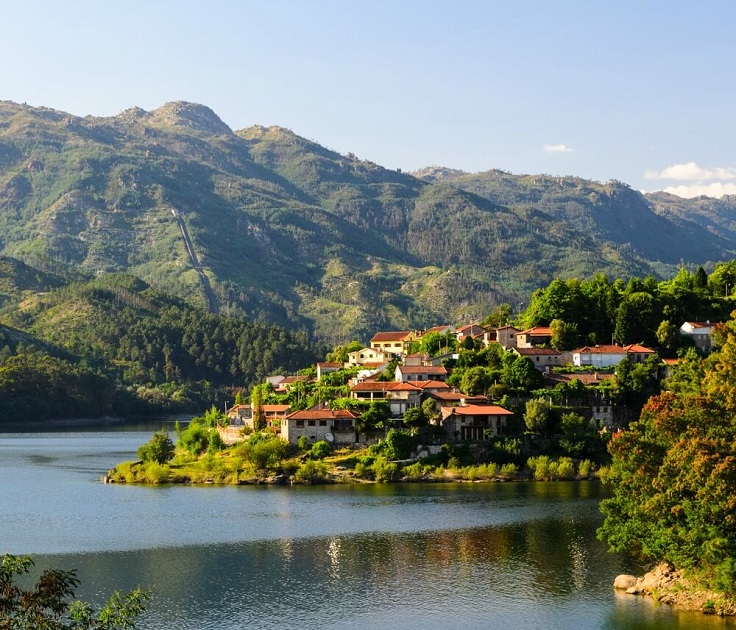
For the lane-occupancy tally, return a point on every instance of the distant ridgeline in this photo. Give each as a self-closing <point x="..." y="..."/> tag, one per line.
<point x="264" y="223"/>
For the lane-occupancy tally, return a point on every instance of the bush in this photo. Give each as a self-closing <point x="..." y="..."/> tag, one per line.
<point x="385" y="470"/>
<point x="312" y="471"/>
<point x="415" y="471"/>
<point x="195" y="438"/>
<point x="508" y="471"/>
<point x="159" y="449"/>
<point x="584" y="469"/>
<point x="264" y="452"/>
<point x="303" y="443"/>
<point x="320" y="450"/>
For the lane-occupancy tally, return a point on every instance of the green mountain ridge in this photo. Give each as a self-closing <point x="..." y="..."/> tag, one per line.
<point x="287" y="231"/>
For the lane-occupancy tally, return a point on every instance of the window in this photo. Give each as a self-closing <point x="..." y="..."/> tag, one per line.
<point x="397" y="345"/>
<point x="300" y="424"/>
<point x="311" y="423"/>
<point x="323" y="423"/>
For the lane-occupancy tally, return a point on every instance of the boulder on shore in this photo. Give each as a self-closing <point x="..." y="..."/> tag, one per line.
<point x="624" y="581"/>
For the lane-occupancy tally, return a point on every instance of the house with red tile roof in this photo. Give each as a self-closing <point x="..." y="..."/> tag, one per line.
<point x="609" y="354"/>
<point x="325" y="367"/>
<point x="505" y="336"/>
<point x="336" y="426"/>
<point x="409" y="373"/>
<point x="700" y="333"/>
<point x="399" y="396"/>
<point x="396" y="342"/>
<point x="474" y="422"/>
<point x="543" y="358"/>
<point x="535" y="336"/>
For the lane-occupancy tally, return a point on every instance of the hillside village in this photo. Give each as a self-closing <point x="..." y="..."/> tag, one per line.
<point x="457" y="385"/>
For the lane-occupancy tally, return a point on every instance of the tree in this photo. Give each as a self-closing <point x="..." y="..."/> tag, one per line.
<point x="159" y="449"/>
<point x="415" y="417"/>
<point x="256" y="399"/>
<point x="499" y="316"/>
<point x="564" y="335"/>
<point x="668" y="336"/>
<point x="672" y="478"/>
<point x="50" y="604"/>
<point x="475" y="380"/>
<point x="373" y="418"/>
<point x="521" y="374"/>
<point x="536" y="415"/>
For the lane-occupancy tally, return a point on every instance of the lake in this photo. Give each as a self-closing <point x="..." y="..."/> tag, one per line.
<point x="414" y="556"/>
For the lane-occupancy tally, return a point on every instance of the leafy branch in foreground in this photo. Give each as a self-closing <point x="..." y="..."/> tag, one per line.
<point x="50" y="605"/>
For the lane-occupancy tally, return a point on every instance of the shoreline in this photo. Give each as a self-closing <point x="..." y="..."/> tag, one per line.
<point x="667" y="585"/>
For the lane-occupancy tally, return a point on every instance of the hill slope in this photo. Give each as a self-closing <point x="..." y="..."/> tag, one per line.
<point x="290" y="232"/>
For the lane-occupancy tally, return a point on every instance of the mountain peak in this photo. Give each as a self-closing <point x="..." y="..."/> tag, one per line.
<point x="192" y="115"/>
<point x="437" y="173"/>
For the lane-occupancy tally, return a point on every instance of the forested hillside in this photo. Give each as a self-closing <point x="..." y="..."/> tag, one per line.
<point x="115" y="346"/>
<point x="289" y="232"/>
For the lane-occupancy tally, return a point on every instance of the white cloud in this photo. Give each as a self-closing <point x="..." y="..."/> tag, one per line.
<point x="716" y="189"/>
<point x="557" y="148"/>
<point x="692" y="171"/>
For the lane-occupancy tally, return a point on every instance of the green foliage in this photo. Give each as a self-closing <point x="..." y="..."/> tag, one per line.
<point x="374" y="418"/>
<point x="303" y="443"/>
<point x="194" y="438"/>
<point x="312" y="471"/>
<point x="320" y="449"/>
<point x="415" y="418"/>
<point x="397" y="444"/>
<point x="50" y="604"/>
<point x="385" y="470"/>
<point x="673" y="475"/>
<point x="536" y="416"/>
<point x="159" y="449"/>
<point x="264" y="451"/>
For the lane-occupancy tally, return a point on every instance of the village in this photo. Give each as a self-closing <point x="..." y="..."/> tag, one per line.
<point x="476" y="384"/>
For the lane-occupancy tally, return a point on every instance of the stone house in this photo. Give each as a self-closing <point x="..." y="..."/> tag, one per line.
<point x="474" y="422"/>
<point x="334" y="426"/>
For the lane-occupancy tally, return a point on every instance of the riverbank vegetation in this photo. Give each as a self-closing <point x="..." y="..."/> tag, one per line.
<point x="200" y="457"/>
<point x="673" y="475"/>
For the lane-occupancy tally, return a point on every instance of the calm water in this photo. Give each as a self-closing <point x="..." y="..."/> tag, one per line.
<point x="504" y="555"/>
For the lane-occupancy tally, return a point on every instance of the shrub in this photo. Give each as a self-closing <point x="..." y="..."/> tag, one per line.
<point x="194" y="439"/>
<point x="320" y="450"/>
<point x="156" y="473"/>
<point x="508" y="471"/>
<point x="584" y="469"/>
<point x="312" y="471"/>
<point x="263" y="453"/>
<point x="385" y="470"/>
<point x="303" y="443"/>
<point x="159" y="449"/>
<point x="415" y="471"/>
<point x="364" y="470"/>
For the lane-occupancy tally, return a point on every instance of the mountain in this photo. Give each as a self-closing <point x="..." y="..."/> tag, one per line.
<point x="263" y="223"/>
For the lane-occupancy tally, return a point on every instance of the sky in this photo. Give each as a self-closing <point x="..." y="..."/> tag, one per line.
<point x="640" y="92"/>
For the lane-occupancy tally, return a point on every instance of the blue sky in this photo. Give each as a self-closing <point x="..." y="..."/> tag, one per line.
<point x="642" y="92"/>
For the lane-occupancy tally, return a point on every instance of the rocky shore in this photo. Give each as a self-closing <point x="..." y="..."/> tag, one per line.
<point x="669" y="586"/>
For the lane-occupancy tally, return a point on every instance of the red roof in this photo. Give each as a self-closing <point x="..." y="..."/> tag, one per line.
<point x="325" y="364"/>
<point x="422" y="369"/>
<point x="321" y="414"/>
<point x="383" y="386"/>
<point x="601" y="349"/>
<point x="481" y="410"/>
<point x="399" y="335"/>
<point x="537" y="330"/>
<point x="431" y="384"/>
<point x="635" y="347"/>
